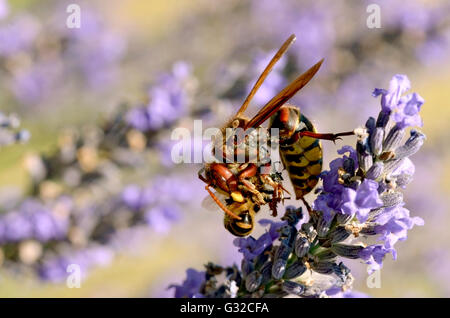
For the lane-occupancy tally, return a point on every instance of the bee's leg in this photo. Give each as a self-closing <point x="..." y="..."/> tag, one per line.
<point x="220" y="204"/>
<point x="332" y="137"/>
<point x="278" y="187"/>
<point x="249" y="172"/>
<point x="252" y="189"/>
<point x="273" y="207"/>
<point x="277" y="193"/>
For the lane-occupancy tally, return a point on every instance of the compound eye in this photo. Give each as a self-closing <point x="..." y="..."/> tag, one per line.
<point x="235" y="123"/>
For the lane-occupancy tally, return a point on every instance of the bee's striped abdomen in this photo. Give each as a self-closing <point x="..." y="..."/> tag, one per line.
<point x="302" y="157"/>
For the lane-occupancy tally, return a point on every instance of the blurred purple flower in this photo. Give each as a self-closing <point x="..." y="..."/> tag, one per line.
<point x="137" y="198"/>
<point x="33" y="220"/>
<point x="34" y="84"/>
<point x="435" y="49"/>
<point x="191" y="285"/>
<point x="168" y="101"/>
<point x="161" y="218"/>
<point x="96" y="50"/>
<point x="15" y="227"/>
<point x="412" y="16"/>
<point x="17" y="35"/>
<point x="311" y="21"/>
<point x="54" y="269"/>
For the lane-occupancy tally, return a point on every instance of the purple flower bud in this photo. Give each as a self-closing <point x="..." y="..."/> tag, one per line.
<point x="283" y="251"/>
<point x="403" y="180"/>
<point x="348" y="251"/>
<point x="339" y="234"/>
<point x="294" y="270"/>
<point x="266" y="272"/>
<point x="411" y="146"/>
<point x="309" y="231"/>
<point x="246" y="267"/>
<point x="279" y="268"/>
<point x="393" y="139"/>
<point x="375" y="171"/>
<point x="391" y="198"/>
<point x="376" y="141"/>
<point x="293" y="288"/>
<point x="383" y="119"/>
<point x="349" y="166"/>
<point x="370" y="125"/>
<point x="323" y="267"/>
<point x="287" y="234"/>
<point x="342" y="272"/>
<point x="253" y="281"/>
<point x="301" y="245"/>
<point x="365" y="162"/>
<point x="292" y="215"/>
<point x="343" y="218"/>
<point x="323" y="226"/>
<point x="391" y="165"/>
<point x="325" y="254"/>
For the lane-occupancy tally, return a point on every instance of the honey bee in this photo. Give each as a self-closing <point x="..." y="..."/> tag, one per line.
<point x="245" y="185"/>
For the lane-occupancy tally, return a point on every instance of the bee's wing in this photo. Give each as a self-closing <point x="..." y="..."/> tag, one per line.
<point x="266" y="72"/>
<point x="209" y="204"/>
<point x="282" y="97"/>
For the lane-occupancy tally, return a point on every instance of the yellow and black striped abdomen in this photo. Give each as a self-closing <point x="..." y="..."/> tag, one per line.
<point x="302" y="158"/>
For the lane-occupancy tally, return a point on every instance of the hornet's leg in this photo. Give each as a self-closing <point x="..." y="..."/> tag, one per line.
<point x="277" y="193"/>
<point x="332" y="137"/>
<point x="311" y="212"/>
<point x="220" y="204"/>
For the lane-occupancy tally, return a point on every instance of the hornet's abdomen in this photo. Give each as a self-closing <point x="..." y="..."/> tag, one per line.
<point x="301" y="156"/>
